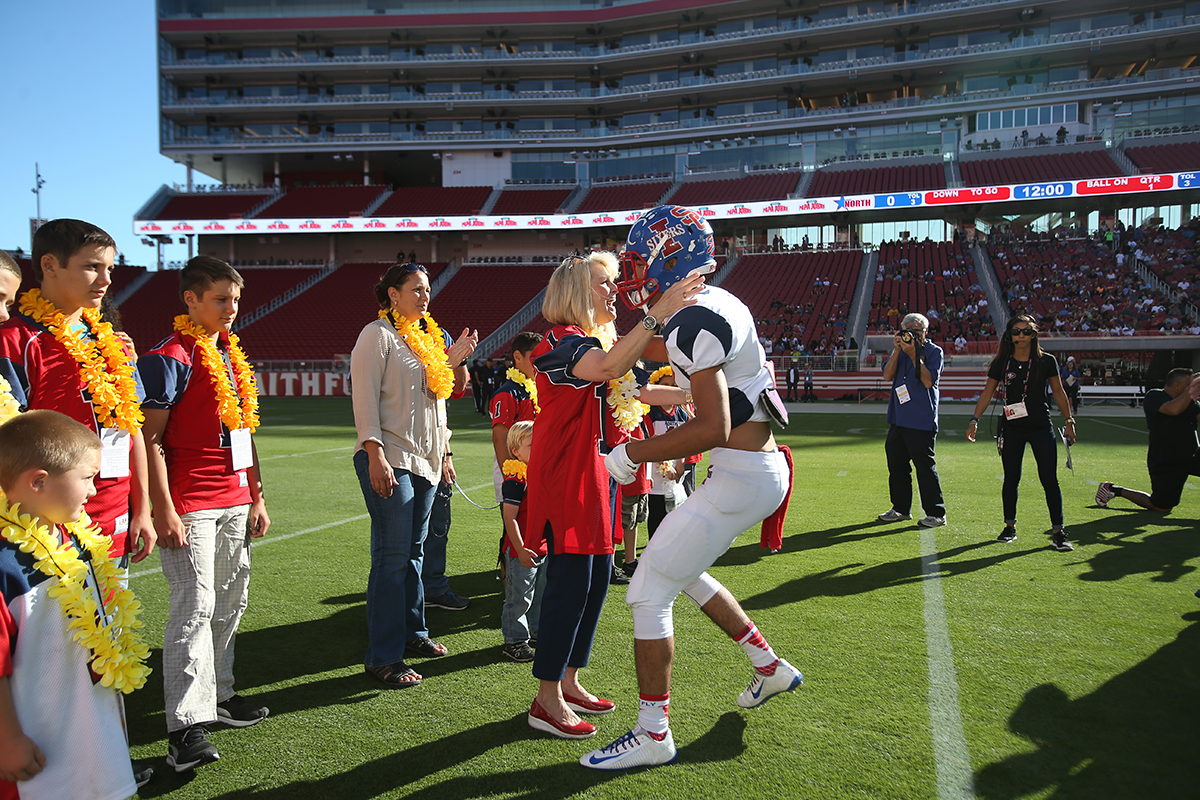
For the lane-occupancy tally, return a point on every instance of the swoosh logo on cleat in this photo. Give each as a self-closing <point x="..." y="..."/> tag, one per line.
<point x="594" y="760"/>
<point x="755" y="694"/>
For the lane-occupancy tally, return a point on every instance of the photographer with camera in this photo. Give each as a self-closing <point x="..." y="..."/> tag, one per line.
<point x="913" y="368"/>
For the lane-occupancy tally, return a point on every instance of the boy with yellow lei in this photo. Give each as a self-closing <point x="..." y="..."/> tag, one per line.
<point x="61" y="663"/>
<point x="201" y="409"/>
<point x="56" y="353"/>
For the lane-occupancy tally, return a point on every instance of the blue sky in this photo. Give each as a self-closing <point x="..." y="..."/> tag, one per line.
<point x="78" y="97"/>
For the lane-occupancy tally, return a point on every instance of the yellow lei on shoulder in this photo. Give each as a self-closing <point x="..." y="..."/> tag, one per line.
<point x="661" y="373"/>
<point x="516" y="376"/>
<point x="117" y="654"/>
<point x="103" y="364"/>
<point x="512" y="468"/>
<point x="233" y="414"/>
<point x="428" y="346"/>
<point x="8" y="404"/>
<point x="627" y="410"/>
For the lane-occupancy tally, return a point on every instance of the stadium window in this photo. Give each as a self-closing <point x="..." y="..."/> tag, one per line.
<point x="1072" y="112"/>
<point x="1044" y="113"/>
<point x="993" y="120"/>
<point x="981" y="122"/>
<point x="1019" y="118"/>
<point x="1056" y="115"/>
<point x="1006" y="118"/>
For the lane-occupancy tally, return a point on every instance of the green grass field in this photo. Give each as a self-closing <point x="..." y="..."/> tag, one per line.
<point x="1053" y="674"/>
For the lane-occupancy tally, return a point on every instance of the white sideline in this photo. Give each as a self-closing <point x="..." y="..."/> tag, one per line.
<point x="270" y="539"/>
<point x="955" y="780"/>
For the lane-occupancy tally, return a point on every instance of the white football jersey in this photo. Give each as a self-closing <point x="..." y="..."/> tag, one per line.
<point x="718" y="331"/>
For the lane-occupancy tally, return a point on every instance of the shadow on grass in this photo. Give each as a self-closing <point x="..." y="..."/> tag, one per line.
<point x="751" y="553"/>
<point x="390" y="775"/>
<point x="1134" y="736"/>
<point x="1129" y="550"/>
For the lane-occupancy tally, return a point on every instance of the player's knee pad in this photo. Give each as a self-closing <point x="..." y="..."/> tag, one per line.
<point x="652" y="621"/>
<point x="703" y="589"/>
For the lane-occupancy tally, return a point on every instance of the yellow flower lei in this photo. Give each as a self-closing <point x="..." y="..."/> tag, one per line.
<point x="8" y="404"/>
<point x="428" y="346"/>
<point x="516" y="376"/>
<point x="661" y="373"/>
<point x="232" y="414"/>
<point x="103" y="364"/>
<point x="117" y="653"/>
<point x="512" y="468"/>
<point x="627" y="410"/>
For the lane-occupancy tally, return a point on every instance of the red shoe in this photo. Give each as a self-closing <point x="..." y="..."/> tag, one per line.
<point x="581" y="706"/>
<point x="541" y="721"/>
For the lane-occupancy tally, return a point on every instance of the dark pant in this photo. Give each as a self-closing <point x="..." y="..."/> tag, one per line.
<point x="905" y="445"/>
<point x="433" y="568"/>
<point x="576" y="586"/>
<point x="1045" y="451"/>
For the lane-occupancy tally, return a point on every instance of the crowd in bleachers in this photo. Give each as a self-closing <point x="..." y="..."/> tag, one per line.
<point x="1091" y="285"/>
<point x="904" y="178"/>
<point x="936" y="279"/>
<point x="1038" y="169"/>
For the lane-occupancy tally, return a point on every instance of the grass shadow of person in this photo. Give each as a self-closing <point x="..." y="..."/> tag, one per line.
<point x="1134" y="736"/>
<point x="1131" y="550"/>
<point x="389" y="775"/>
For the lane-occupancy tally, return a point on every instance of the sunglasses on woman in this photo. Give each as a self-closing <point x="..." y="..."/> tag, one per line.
<point x="1023" y="332"/>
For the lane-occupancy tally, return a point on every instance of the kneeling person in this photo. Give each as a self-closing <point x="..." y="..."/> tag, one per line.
<point x="714" y="353"/>
<point x="201" y="408"/>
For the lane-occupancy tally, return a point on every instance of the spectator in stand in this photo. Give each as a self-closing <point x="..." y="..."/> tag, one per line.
<point x="1028" y="375"/>
<point x="1174" y="453"/>
<point x="1070" y="376"/>
<point x="573" y="503"/>
<point x="913" y="369"/>
<point x="401" y="371"/>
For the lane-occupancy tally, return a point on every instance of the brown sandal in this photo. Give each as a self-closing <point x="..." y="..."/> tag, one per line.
<point x="394" y="676"/>
<point x="424" y="646"/>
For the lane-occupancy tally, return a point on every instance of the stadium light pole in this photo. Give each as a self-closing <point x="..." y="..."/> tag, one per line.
<point x="38" y="183"/>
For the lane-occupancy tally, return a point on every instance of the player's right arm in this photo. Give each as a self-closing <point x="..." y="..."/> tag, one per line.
<point x="167" y="523"/>
<point x="20" y="757"/>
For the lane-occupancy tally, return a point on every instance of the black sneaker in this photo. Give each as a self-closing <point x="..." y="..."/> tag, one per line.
<point x="238" y="713"/>
<point x="520" y="652"/>
<point x="1060" y="542"/>
<point x="142" y="773"/>
<point x="619" y="578"/>
<point x="630" y="567"/>
<point x="449" y="601"/>
<point x="1009" y="534"/>
<point x="190" y="748"/>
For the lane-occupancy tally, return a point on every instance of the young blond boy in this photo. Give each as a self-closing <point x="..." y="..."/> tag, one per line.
<point x="201" y="407"/>
<point x="526" y="578"/>
<point x="61" y="730"/>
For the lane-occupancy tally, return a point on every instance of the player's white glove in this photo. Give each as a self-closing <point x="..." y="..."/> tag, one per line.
<point x="619" y="466"/>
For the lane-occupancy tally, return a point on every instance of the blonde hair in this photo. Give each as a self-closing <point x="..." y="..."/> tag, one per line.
<point x="568" y="298"/>
<point x="42" y="439"/>
<point x="518" y="434"/>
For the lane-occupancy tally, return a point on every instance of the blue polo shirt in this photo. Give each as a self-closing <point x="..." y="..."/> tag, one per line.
<point x="921" y="410"/>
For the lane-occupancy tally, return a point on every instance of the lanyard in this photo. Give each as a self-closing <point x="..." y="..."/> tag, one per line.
<point x="1028" y="377"/>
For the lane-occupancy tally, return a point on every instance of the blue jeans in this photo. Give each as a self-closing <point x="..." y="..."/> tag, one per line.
<point x="523" y="589"/>
<point x="433" y="570"/>
<point x="395" y="597"/>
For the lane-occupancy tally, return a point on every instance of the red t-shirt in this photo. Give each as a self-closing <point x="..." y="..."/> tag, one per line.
<point x="199" y="456"/>
<point x="44" y="375"/>
<point x="569" y="488"/>
<point x="511" y="404"/>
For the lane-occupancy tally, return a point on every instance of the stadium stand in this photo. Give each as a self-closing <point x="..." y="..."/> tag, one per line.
<point x="344" y="302"/>
<point x="531" y="201"/>
<point x="762" y="186"/>
<point x="798" y="295"/>
<point x="1173" y="256"/>
<point x="610" y="197"/>
<point x="903" y="178"/>
<point x="1077" y="286"/>
<point x="1034" y="169"/>
<point x="322" y="201"/>
<point x="434" y="201"/>
<point x="215" y="205"/>
<point x="1174" y="157"/>
<point x="936" y="279"/>
<point x="483" y="298"/>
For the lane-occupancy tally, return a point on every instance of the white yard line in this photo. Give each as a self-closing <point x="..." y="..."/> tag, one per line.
<point x="951" y="757"/>
<point x="1115" y="425"/>
<point x="306" y="453"/>
<point x="270" y="539"/>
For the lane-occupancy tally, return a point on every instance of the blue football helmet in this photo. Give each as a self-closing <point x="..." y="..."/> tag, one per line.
<point x="664" y="246"/>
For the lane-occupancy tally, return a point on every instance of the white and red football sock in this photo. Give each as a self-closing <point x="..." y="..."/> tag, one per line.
<point x="652" y="714"/>
<point x="757" y="650"/>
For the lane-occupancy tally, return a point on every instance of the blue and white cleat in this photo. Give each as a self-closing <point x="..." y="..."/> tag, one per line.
<point x="764" y="687"/>
<point x="635" y="749"/>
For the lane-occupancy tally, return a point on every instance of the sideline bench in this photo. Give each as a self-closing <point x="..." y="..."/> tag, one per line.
<point x="1128" y="394"/>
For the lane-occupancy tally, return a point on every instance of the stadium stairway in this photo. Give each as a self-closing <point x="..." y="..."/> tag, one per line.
<point x="124" y="292"/>
<point x="369" y="211"/>
<point x="856" y="323"/>
<point x="986" y="274"/>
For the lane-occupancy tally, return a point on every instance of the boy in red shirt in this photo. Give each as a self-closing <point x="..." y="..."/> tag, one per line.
<point x="201" y="408"/>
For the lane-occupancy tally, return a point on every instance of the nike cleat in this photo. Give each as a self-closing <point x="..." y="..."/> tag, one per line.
<point x="764" y="687"/>
<point x="635" y="749"/>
